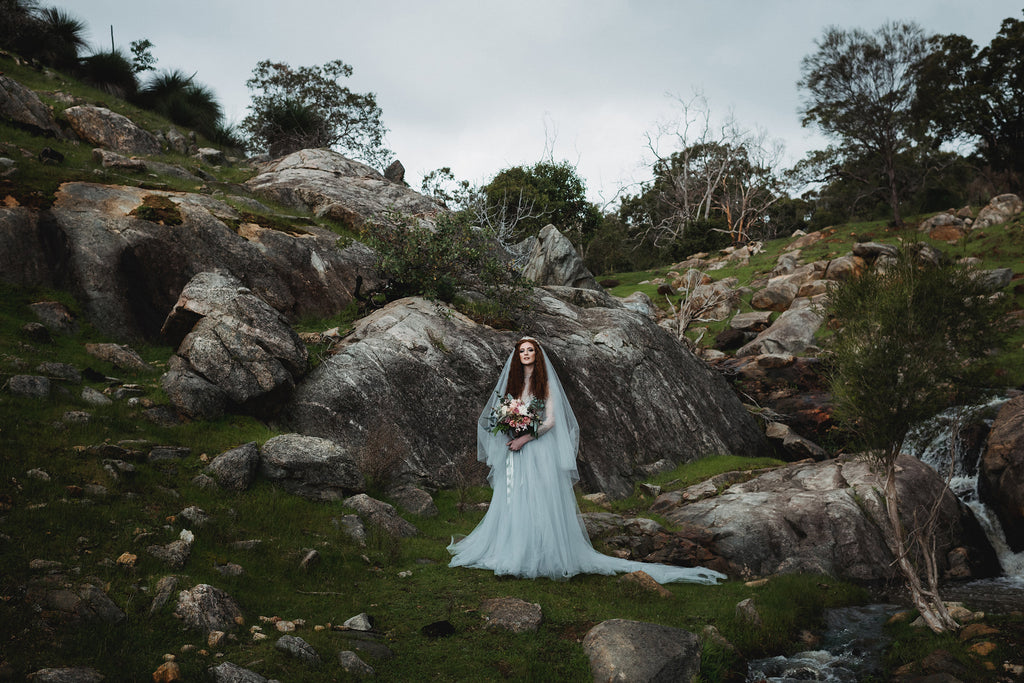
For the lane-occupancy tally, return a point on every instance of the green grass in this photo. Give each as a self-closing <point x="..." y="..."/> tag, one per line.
<point x="51" y="520"/>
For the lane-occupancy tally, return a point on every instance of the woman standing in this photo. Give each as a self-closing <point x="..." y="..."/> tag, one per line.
<point x="532" y="527"/>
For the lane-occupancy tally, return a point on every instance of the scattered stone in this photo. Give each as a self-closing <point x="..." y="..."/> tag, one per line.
<point x="127" y="560"/>
<point x="36" y="473"/>
<point x="120" y="356"/>
<point x="299" y="649"/>
<point x="413" y="500"/>
<point x="353" y="527"/>
<point x="395" y="172"/>
<point x="311" y="467"/>
<point x="644" y="581"/>
<point x="175" y="554"/>
<point x="226" y="672"/>
<point x="351" y="663"/>
<point x="96" y="490"/>
<point x="210" y="155"/>
<point x="599" y="498"/>
<point x="167" y="673"/>
<point x="977" y="630"/>
<point x="165" y="587"/>
<point x="236" y="469"/>
<point x="285" y="626"/>
<point x="66" y="675"/>
<point x="29" y="386"/>
<point x="229" y="569"/>
<point x="381" y="515"/>
<point x="37" y="332"/>
<point x="94" y="398"/>
<point x="747" y="612"/>
<point x="360" y="622"/>
<point x="160" y="453"/>
<point x="194" y="516"/>
<point x="76" y="417"/>
<point x="511" y="614"/>
<point x="622" y="650"/>
<point x="207" y="608"/>
<point x="22" y="106"/>
<point x="61" y="371"/>
<point x="55" y="316"/>
<point x="215" y="638"/>
<point x="795" y="446"/>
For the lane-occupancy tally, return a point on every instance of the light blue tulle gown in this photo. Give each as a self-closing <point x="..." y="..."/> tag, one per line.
<point x="533" y="527"/>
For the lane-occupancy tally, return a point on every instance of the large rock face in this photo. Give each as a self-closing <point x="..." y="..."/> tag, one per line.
<point x="1002" y="471"/>
<point x="418" y="375"/>
<point x="822" y="517"/>
<point x="331" y="185"/>
<point x="31" y="250"/>
<point x="128" y="271"/>
<point x="104" y="128"/>
<point x="554" y="261"/>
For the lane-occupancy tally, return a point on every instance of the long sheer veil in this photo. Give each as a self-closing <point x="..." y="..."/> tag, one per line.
<point x="561" y="441"/>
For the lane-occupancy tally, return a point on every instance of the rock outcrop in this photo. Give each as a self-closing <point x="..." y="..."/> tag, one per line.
<point x="554" y="261"/>
<point x="335" y="187"/>
<point x="999" y="210"/>
<point x="235" y="342"/>
<point x="128" y="253"/>
<point x="419" y="373"/>
<point x="825" y="518"/>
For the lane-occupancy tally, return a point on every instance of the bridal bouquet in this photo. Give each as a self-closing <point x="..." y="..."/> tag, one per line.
<point x="515" y="417"/>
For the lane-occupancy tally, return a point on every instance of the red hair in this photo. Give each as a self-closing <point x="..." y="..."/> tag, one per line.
<point x="538" y="379"/>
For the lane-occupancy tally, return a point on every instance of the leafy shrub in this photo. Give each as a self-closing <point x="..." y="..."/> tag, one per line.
<point x="453" y="258"/>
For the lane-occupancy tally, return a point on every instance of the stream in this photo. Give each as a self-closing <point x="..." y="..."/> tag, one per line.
<point x="854" y="639"/>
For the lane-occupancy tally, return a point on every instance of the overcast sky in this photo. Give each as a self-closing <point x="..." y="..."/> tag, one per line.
<point x="479" y="85"/>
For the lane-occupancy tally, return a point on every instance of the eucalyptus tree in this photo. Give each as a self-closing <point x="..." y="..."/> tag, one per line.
<point x="859" y="89"/>
<point x="973" y="94"/>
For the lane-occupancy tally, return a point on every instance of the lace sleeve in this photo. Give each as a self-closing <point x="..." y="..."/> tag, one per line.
<point x="549" y="417"/>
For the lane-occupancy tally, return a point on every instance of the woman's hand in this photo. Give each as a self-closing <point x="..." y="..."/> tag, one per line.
<point x="520" y="441"/>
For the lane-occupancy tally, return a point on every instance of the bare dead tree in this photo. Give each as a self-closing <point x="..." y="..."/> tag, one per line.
<point x="713" y="166"/>
<point x="698" y="303"/>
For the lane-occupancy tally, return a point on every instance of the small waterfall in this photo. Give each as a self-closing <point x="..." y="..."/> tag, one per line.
<point x="946" y="436"/>
<point x="854" y="640"/>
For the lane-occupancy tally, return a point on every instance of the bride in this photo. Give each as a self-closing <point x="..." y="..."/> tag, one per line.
<point x="532" y="527"/>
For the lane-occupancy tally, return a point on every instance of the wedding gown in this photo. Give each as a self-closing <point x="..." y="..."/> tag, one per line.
<point x="533" y="526"/>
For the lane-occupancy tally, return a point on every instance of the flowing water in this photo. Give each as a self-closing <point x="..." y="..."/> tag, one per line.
<point x="851" y="650"/>
<point x="852" y="646"/>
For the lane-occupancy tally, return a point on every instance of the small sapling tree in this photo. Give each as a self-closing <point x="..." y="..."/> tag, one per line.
<point x="912" y="339"/>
